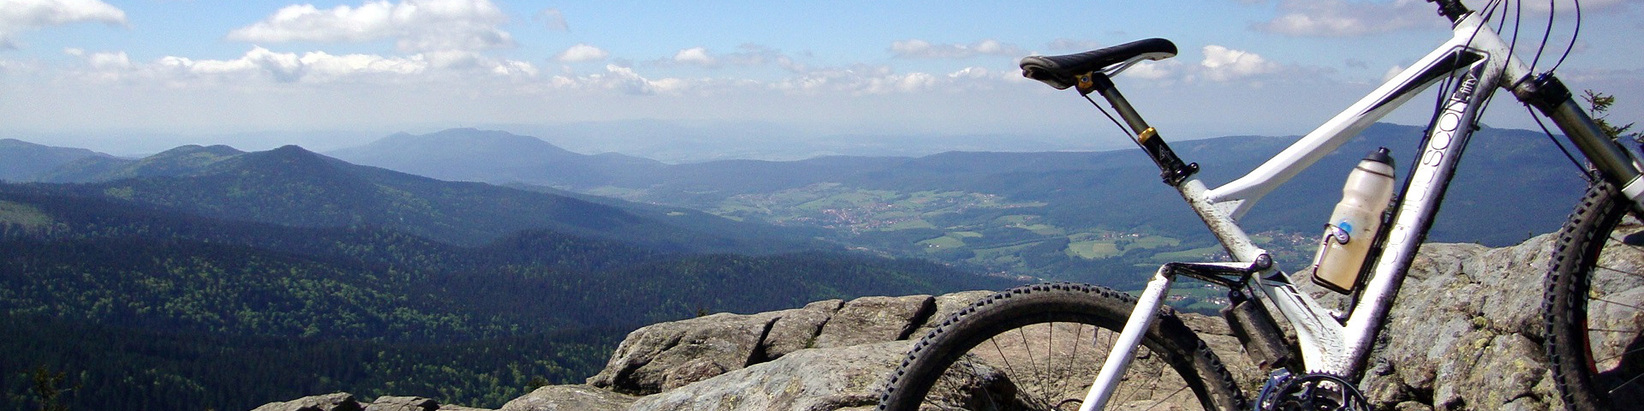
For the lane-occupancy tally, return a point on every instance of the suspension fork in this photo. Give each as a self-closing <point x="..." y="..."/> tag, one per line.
<point x="1549" y="95"/>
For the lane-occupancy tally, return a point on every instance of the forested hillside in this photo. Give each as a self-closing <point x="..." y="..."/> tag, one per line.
<point x="264" y="276"/>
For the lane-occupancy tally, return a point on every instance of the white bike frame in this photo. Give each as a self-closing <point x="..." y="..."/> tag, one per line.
<point x="1336" y="343"/>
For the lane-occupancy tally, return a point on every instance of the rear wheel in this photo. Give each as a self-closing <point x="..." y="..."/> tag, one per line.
<point x="1039" y="347"/>
<point x="1595" y="304"/>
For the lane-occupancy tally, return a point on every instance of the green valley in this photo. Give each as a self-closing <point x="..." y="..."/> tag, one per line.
<point x="973" y="229"/>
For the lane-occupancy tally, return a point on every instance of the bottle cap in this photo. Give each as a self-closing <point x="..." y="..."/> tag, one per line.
<point x="1380" y="156"/>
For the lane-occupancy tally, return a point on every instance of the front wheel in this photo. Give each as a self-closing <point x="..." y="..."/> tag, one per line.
<point x="1595" y="304"/>
<point x="1039" y="347"/>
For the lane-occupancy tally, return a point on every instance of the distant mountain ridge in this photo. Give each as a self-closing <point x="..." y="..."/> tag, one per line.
<point x="25" y="160"/>
<point x="293" y="186"/>
<point x="503" y="158"/>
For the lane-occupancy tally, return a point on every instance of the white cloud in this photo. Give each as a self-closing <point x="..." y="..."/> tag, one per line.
<point x="1391" y="72"/>
<point x="22" y="15"/>
<point x="911" y="82"/>
<point x="621" y="79"/>
<point x="102" y="60"/>
<point x="415" y="25"/>
<point x="581" y="53"/>
<point x="1341" y="18"/>
<point x="1223" y="64"/>
<point x="8" y="67"/>
<point x="282" y="67"/>
<point x="860" y="80"/>
<point x="851" y="80"/>
<point x="552" y="19"/>
<point x="512" y="68"/>
<point x="970" y="73"/>
<point x="748" y="55"/>
<point x="260" y="67"/>
<point x="916" y="48"/>
<point x="1155" y="70"/>
<point x="694" y="55"/>
<point x="316" y="67"/>
<point x="321" y="65"/>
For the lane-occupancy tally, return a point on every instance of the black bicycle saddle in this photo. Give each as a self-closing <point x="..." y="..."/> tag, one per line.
<point x="1062" y="71"/>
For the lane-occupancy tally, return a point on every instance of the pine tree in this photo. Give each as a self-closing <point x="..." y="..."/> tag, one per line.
<point x="47" y="386"/>
<point x="1599" y="105"/>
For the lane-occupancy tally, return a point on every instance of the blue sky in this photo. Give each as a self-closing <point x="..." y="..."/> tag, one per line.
<point x="122" y="75"/>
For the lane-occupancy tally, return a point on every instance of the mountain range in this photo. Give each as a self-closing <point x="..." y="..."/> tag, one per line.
<point x="295" y="187"/>
<point x="1062" y="212"/>
<point x="470" y="247"/>
<point x="1079" y="197"/>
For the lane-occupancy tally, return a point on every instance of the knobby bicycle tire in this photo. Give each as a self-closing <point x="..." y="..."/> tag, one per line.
<point x="964" y="364"/>
<point x="1594" y="291"/>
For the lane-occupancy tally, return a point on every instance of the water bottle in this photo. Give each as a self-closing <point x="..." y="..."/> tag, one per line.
<point x="1355" y="223"/>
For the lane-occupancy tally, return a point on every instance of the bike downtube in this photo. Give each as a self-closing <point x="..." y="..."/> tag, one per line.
<point x="1147" y="308"/>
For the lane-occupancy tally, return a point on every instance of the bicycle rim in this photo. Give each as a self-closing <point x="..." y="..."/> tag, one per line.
<point x="1039" y="348"/>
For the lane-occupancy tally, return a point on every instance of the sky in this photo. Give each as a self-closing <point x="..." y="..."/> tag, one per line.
<point x="141" y="76"/>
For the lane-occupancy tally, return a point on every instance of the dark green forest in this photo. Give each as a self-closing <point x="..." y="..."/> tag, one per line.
<point x="159" y="293"/>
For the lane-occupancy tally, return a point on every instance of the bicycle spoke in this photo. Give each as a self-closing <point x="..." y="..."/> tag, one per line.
<point x="1612" y="330"/>
<point x="949" y="382"/>
<point x="1626" y="383"/>
<point x="1173" y="394"/>
<point x="1050" y="356"/>
<point x="1033" y="365"/>
<point x="1073" y="359"/>
<point x="1008" y="367"/>
<point x="1622" y="354"/>
<point x="1620" y="271"/>
<point x="1635" y="307"/>
<point x="1128" y="397"/>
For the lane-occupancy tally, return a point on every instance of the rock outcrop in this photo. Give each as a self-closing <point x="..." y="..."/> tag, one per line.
<point x="1465" y="334"/>
<point x="345" y="402"/>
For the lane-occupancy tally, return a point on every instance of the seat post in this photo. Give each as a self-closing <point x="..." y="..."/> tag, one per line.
<point x="1171" y="168"/>
<point x="1099" y="83"/>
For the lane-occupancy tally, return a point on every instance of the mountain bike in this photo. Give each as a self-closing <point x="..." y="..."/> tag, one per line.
<point x="1066" y="346"/>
